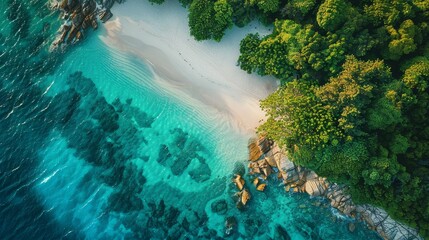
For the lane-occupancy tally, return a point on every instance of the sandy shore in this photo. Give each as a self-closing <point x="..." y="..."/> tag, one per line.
<point x="204" y="71"/>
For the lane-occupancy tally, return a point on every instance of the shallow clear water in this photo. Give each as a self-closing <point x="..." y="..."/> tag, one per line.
<point x="92" y="147"/>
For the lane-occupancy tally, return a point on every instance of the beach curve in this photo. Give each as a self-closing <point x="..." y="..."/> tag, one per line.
<point x="205" y="72"/>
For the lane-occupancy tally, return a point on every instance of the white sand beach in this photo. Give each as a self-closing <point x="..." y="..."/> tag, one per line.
<point x="205" y="71"/>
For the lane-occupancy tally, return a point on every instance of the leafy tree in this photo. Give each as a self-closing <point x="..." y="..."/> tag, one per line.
<point x="222" y="17"/>
<point x="416" y="76"/>
<point x="332" y="14"/>
<point x="200" y="16"/>
<point x="266" y="5"/>
<point x="185" y="3"/>
<point x="384" y="114"/>
<point x="248" y="58"/>
<point x="404" y="40"/>
<point x="270" y="56"/>
<point x="243" y="12"/>
<point x="342" y="163"/>
<point x="388" y="12"/>
<point x="352" y="92"/>
<point x="300" y="119"/>
<point x="208" y="20"/>
<point x="298" y="9"/>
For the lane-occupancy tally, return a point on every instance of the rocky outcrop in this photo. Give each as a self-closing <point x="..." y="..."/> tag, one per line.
<point x="381" y="222"/>
<point x="239" y="182"/>
<point x="243" y="195"/>
<point x="261" y="187"/>
<point x="79" y="15"/>
<point x="315" y="187"/>
<point x="258" y="147"/>
<point x="265" y="160"/>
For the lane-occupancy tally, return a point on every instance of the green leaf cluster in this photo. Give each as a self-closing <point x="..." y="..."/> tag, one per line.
<point x="208" y="19"/>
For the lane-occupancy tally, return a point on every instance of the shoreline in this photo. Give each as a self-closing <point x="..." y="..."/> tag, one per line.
<point x="202" y="72"/>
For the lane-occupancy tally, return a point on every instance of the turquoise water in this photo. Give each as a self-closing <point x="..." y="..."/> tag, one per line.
<point x="93" y="148"/>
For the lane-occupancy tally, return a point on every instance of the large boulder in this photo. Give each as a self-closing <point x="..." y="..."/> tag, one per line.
<point x="315" y="188"/>
<point x="261" y="187"/>
<point x="254" y="151"/>
<point x="258" y="147"/>
<point x="239" y="168"/>
<point x="291" y="172"/>
<point x="245" y="196"/>
<point x="239" y="182"/>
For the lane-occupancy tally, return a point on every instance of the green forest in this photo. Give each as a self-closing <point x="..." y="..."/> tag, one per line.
<point x="354" y="98"/>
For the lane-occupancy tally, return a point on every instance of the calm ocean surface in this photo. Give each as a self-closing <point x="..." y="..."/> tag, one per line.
<point x="91" y="147"/>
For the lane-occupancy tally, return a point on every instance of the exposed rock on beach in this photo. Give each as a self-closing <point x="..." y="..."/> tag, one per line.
<point x="266" y="157"/>
<point x="78" y="16"/>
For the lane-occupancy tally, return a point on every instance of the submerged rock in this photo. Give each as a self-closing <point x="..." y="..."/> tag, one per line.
<point x="201" y="173"/>
<point x="239" y="169"/>
<point x="281" y="233"/>
<point x="125" y="202"/>
<point x="253" y="226"/>
<point x="185" y="224"/>
<point x="181" y="137"/>
<point x="160" y="209"/>
<point x="164" y="154"/>
<point x="230" y="225"/>
<point x="171" y="216"/>
<point x="180" y="165"/>
<point x="105" y="114"/>
<point x="219" y="206"/>
<point x="352" y="227"/>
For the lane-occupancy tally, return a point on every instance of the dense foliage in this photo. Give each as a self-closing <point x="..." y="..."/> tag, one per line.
<point x="354" y="100"/>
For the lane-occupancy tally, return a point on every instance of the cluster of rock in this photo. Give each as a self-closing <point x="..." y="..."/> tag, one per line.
<point x="266" y="157"/>
<point x="261" y="165"/>
<point x="243" y="193"/>
<point x="79" y="15"/>
<point x="178" y="154"/>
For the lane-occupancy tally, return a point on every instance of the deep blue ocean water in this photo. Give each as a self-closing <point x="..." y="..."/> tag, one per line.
<point x="92" y="148"/>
